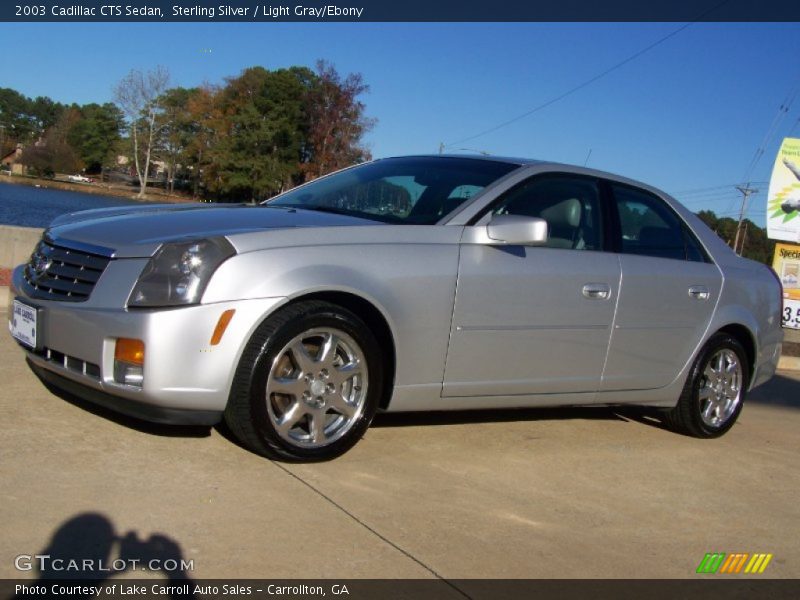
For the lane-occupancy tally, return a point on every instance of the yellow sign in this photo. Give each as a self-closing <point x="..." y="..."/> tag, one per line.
<point x="786" y="263"/>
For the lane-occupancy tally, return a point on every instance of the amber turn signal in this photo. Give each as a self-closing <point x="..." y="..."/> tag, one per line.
<point x="129" y="351"/>
<point x="222" y="325"/>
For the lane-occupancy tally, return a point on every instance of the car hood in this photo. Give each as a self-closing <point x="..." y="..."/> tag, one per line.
<point x="130" y="232"/>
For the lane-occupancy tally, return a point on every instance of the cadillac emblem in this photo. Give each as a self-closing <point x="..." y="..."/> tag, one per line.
<point x="39" y="265"/>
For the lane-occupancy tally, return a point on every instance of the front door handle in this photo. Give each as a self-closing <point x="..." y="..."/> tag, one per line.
<point x="699" y="292"/>
<point x="596" y="291"/>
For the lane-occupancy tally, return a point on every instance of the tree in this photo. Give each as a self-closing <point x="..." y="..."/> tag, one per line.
<point x="258" y="135"/>
<point x="95" y="136"/>
<point x="206" y="121"/>
<point x="336" y="121"/>
<point x="45" y="113"/>
<point x="177" y="130"/>
<point x="140" y="97"/>
<point x="52" y="153"/>
<point x="24" y="120"/>
<point x="756" y="245"/>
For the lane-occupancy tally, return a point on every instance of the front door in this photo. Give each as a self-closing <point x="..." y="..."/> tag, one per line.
<point x="535" y="320"/>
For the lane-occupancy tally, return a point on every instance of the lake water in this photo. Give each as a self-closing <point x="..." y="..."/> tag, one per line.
<point x="28" y="206"/>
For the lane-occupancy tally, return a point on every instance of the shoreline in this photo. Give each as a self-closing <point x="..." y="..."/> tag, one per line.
<point x="99" y="189"/>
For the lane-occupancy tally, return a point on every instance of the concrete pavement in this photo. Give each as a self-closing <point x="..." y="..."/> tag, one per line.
<point x="515" y="494"/>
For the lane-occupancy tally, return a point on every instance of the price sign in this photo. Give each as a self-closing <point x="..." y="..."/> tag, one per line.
<point x="791" y="313"/>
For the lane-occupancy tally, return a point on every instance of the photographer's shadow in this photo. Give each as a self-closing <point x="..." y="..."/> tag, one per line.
<point x="87" y="549"/>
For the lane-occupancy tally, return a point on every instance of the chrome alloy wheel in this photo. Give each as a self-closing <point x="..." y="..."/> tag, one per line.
<point x="720" y="389"/>
<point x="317" y="387"/>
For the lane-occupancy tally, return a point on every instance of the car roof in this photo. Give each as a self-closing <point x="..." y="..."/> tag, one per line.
<point x="491" y="158"/>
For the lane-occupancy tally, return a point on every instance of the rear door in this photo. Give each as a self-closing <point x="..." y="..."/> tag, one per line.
<point x="668" y="294"/>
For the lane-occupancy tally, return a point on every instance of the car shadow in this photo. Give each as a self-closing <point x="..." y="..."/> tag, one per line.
<point x="163" y="430"/>
<point x="645" y="415"/>
<point x="780" y="391"/>
<point x="504" y="415"/>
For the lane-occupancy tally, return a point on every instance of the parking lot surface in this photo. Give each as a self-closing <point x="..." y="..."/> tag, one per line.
<point x="546" y="493"/>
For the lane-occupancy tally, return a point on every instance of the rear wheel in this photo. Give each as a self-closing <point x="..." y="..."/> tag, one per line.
<point x="714" y="393"/>
<point x="308" y="383"/>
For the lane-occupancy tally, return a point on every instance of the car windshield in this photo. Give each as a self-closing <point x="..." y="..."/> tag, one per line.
<point x="412" y="191"/>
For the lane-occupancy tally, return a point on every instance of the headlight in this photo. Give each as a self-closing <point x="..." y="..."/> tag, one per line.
<point x="179" y="272"/>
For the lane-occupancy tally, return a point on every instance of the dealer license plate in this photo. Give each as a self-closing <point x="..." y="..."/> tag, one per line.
<point x="23" y="323"/>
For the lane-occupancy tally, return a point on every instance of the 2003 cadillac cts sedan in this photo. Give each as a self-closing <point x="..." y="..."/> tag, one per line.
<point x="403" y="284"/>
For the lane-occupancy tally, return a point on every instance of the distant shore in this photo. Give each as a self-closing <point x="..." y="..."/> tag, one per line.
<point x="103" y="189"/>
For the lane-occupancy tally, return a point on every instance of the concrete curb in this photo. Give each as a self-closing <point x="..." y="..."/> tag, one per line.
<point x="789" y="363"/>
<point x="16" y="244"/>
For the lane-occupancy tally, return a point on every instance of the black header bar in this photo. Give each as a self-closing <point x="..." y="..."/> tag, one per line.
<point x="272" y="11"/>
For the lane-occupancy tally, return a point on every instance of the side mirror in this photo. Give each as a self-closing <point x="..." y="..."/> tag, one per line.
<point x="517" y="230"/>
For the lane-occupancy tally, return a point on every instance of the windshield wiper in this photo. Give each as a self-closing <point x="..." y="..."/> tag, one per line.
<point x="339" y="211"/>
<point x="326" y="209"/>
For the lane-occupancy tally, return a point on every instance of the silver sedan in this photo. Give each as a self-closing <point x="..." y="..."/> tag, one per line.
<point x="404" y="284"/>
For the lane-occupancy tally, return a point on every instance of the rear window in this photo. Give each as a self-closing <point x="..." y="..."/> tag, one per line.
<point x="650" y="228"/>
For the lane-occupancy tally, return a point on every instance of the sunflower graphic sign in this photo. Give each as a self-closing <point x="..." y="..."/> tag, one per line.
<point x="783" y="200"/>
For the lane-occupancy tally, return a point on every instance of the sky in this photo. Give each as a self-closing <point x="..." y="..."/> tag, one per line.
<point x="687" y="116"/>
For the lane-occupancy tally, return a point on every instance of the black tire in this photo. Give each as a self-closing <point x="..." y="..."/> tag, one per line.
<point x="252" y="412"/>
<point x="688" y="415"/>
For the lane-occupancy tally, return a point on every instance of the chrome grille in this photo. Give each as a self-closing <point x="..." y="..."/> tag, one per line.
<point x="60" y="273"/>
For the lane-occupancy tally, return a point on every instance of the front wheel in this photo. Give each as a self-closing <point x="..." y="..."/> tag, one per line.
<point x="714" y="393"/>
<point x="308" y="383"/>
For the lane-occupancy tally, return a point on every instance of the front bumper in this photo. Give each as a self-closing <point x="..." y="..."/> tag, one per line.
<point x="186" y="379"/>
<point x="139" y="410"/>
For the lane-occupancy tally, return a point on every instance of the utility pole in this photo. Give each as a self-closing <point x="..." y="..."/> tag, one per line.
<point x="441" y="147"/>
<point x="744" y="236"/>
<point x="746" y="192"/>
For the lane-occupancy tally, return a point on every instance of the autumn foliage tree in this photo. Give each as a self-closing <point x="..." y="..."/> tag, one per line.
<point x="336" y="121"/>
<point x="266" y="131"/>
<point x="260" y="133"/>
<point x="204" y="124"/>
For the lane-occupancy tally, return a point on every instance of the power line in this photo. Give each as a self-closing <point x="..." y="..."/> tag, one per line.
<point x="705" y="201"/>
<point x="791" y="131"/>
<point x="574" y="89"/>
<point x="714" y="187"/>
<point x="591" y="80"/>
<point x="783" y="110"/>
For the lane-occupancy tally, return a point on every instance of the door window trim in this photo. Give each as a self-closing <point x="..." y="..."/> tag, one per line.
<point x="602" y="197"/>
<point x="687" y="234"/>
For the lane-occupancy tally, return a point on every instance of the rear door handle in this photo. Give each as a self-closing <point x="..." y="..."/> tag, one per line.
<point x="596" y="291"/>
<point x="699" y="292"/>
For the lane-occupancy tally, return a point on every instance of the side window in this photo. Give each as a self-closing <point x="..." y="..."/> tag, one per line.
<point x="650" y="228"/>
<point x="570" y="205"/>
